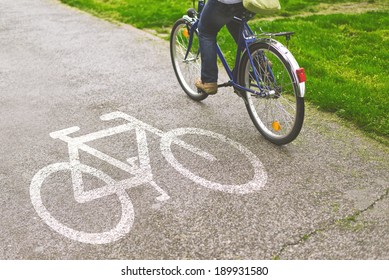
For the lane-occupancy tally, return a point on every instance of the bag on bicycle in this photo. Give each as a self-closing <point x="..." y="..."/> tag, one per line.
<point x="262" y="6"/>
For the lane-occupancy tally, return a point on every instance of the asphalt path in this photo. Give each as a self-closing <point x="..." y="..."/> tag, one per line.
<point x="324" y="196"/>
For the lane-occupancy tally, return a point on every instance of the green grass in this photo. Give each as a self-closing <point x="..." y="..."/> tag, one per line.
<point x="140" y="13"/>
<point x="346" y="60"/>
<point x="345" y="56"/>
<point x="292" y="7"/>
<point x="156" y="13"/>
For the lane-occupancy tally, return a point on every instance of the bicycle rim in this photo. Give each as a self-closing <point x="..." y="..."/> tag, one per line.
<point x="187" y="69"/>
<point x="278" y="117"/>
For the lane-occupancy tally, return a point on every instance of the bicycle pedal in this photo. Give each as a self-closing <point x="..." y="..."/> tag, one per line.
<point x="227" y="84"/>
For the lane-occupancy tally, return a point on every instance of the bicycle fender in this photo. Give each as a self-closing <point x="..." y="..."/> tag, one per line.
<point x="291" y="61"/>
<point x="193" y="29"/>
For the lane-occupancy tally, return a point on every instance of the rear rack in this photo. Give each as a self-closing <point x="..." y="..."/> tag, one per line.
<point x="278" y="34"/>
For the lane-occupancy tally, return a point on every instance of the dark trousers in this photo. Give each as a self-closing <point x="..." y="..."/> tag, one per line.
<point x="213" y="17"/>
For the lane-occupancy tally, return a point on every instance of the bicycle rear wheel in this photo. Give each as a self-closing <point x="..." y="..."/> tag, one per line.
<point x="187" y="69"/>
<point x="279" y="116"/>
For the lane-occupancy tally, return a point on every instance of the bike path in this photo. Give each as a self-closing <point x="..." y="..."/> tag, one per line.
<point x="325" y="197"/>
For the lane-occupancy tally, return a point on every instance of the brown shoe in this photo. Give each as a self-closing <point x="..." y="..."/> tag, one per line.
<point x="208" y="88"/>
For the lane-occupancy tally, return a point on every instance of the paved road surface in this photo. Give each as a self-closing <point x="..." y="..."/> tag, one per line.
<point x="325" y="196"/>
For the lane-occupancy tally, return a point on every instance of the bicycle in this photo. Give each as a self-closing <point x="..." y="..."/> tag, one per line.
<point x="265" y="75"/>
<point x="139" y="167"/>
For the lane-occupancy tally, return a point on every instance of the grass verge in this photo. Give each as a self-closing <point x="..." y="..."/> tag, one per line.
<point x="345" y="55"/>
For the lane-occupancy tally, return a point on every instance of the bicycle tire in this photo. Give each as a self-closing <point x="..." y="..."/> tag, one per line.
<point x="257" y="182"/>
<point x="279" y="118"/>
<point x="186" y="70"/>
<point x="121" y="229"/>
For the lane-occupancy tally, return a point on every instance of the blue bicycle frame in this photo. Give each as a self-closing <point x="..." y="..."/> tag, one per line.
<point x="246" y="38"/>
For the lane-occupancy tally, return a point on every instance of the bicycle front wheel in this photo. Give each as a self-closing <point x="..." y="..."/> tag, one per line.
<point x="279" y="116"/>
<point x="187" y="67"/>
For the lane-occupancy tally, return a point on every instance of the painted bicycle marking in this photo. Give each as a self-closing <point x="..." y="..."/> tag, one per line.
<point x="139" y="167"/>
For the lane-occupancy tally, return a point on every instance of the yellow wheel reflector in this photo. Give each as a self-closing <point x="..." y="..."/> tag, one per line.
<point x="276" y="126"/>
<point x="185" y="33"/>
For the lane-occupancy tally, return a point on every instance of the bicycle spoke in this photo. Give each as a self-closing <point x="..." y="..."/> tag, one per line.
<point x="274" y="111"/>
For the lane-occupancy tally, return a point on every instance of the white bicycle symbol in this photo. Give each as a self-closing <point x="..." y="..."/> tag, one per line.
<point x="139" y="167"/>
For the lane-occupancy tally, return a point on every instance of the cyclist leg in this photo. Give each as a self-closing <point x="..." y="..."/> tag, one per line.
<point x="213" y="17"/>
<point x="233" y="26"/>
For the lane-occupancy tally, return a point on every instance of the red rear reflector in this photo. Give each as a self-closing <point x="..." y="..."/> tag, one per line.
<point x="301" y="75"/>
